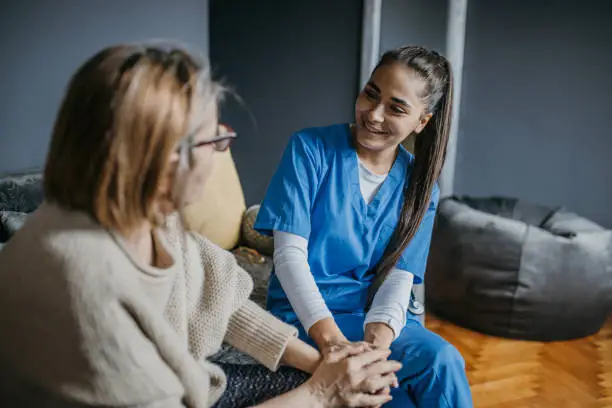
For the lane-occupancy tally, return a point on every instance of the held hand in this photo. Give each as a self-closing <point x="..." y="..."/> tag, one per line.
<point x="328" y="336"/>
<point x="384" y="391"/>
<point x="354" y="348"/>
<point x="358" y="347"/>
<point x="353" y="376"/>
<point x="379" y="335"/>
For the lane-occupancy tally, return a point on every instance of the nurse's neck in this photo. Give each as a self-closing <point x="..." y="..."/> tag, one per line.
<point x="378" y="162"/>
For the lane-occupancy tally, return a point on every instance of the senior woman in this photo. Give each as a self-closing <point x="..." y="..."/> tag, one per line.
<point x="105" y="299"/>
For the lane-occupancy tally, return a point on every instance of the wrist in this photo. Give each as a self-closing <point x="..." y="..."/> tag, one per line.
<point x="313" y="362"/>
<point x="316" y="398"/>
<point x="329" y="341"/>
<point x="301" y="356"/>
<point x="379" y="333"/>
<point x="326" y="332"/>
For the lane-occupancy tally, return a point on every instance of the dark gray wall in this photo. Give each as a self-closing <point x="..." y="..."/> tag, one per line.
<point x="295" y="65"/>
<point x="536" y="115"/>
<point x="413" y="22"/>
<point x="43" y="42"/>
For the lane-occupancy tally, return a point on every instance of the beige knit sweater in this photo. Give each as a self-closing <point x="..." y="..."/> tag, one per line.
<point x="84" y="323"/>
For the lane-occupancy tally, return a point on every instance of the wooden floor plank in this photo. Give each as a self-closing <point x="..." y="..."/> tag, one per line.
<point x="511" y="373"/>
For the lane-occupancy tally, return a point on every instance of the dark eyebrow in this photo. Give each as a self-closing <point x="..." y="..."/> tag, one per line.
<point x="373" y="86"/>
<point x="396" y="100"/>
<point x="401" y="102"/>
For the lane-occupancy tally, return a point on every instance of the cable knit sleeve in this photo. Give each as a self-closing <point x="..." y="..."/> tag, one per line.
<point x="257" y="333"/>
<point x="219" y="309"/>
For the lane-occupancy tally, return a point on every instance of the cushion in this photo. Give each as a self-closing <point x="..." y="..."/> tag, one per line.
<point x="260" y="268"/>
<point x="259" y="242"/>
<point x="217" y="214"/>
<point x="515" y="269"/>
<point x="21" y="192"/>
<point x="10" y="222"/>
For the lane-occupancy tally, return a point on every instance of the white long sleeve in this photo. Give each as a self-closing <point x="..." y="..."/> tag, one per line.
<point x="293" y="272"/>
<point x="391" y="302"/>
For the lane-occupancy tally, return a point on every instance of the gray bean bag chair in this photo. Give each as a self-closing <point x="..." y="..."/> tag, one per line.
<point x="513" y="269"/>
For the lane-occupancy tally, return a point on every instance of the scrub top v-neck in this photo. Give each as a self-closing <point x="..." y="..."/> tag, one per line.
<point x="315" y="193"/>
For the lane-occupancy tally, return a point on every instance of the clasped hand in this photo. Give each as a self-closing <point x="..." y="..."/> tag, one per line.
<point x="356" y="374"/>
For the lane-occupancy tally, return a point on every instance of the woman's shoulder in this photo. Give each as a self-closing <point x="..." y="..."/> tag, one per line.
<point x="64" y="288"/>
<point x="59" y="244"/>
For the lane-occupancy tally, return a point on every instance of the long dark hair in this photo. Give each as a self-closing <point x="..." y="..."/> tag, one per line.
<point x="430" y="147"/>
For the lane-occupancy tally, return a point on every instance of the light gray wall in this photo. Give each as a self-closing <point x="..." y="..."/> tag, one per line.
<point x="413" y="22"/>
<point x="43" y="42"/>
<point x="536" y="113"/>
<point x="294" y="63"/>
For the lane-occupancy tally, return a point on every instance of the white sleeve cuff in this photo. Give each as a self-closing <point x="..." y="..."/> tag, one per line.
<point x="387" y="317"/>
<point x="390" y="304"/>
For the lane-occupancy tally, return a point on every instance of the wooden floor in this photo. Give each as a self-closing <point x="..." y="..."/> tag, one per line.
<point x="519" y="374"/>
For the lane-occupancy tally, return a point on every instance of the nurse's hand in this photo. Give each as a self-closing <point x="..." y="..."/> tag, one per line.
<point x="379" y="335"/>
<point x="327" y="335"/>
<point x="355" y="348"/>
<point x="354" y="376"/>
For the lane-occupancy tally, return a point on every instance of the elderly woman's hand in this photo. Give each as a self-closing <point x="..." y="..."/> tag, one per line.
<point x="353" y="375"/>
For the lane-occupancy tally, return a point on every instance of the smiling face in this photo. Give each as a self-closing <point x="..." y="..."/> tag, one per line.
<point x="389" y="108"/>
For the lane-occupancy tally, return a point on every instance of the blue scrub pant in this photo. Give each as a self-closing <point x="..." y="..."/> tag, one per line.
<point x="433" y="372"/>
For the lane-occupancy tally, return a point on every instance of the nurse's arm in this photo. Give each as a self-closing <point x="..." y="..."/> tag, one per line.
<point x="326" y="333"/>
<point x="293" y="272"/>
<point x="387" y="315"/>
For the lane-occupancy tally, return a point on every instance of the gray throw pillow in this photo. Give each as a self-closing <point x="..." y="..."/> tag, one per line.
<point x="10" y="222"/>
<point x="23" y="193"/>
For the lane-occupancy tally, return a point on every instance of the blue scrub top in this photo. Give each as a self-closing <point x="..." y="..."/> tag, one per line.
<point x="315" y="193"/>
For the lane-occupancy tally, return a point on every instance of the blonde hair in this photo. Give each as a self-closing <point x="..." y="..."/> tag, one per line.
<point x="126" y="110"/>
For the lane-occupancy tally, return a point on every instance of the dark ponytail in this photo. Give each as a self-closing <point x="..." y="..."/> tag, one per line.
<point x="430" y="150"/>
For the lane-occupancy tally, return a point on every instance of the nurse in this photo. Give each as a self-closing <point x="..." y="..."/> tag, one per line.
<point x="352" y="213"/>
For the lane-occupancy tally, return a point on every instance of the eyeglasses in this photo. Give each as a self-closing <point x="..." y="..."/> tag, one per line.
<point x="223" y="140"/>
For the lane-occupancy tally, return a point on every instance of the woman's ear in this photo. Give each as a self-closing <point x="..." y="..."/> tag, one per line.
<point x="424" y="121"/>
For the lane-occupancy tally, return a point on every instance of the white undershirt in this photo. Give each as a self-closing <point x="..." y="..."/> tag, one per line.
<point x="291" y="266"/>
<point x="369" y="182"/>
